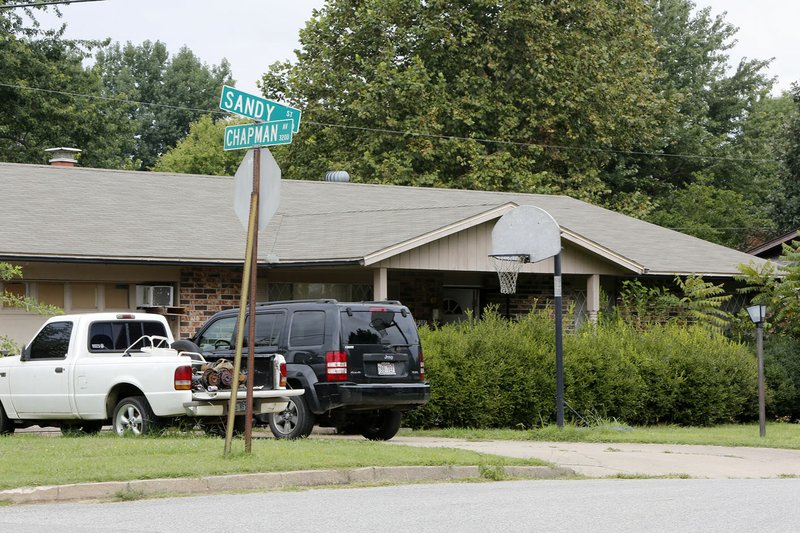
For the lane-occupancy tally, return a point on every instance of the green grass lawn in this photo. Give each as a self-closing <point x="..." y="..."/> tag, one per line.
<point x="779" y="435"/>
<point x="34" y="460"/>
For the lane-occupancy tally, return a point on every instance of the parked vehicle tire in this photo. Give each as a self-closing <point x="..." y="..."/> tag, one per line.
<point x="133" y="416"/>
<point x="295" y="422"/>
<point x="6" y="425"/>
<point x="382" y="425"/>
<point x="83" y="427"/>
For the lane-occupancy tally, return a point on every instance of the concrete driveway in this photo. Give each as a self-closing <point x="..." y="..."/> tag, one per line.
<point x="604" y="460"/>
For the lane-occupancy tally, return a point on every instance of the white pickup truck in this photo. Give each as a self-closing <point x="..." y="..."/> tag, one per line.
<point x="83" y="371"/>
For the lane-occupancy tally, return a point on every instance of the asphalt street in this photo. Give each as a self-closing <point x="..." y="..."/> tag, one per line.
<point x="661" y="505"/>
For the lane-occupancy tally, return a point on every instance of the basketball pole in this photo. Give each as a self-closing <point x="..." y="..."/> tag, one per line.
<point x="559" y="347"/>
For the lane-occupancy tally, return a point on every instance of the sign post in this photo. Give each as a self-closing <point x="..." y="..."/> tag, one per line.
<point x="275" y="124"/>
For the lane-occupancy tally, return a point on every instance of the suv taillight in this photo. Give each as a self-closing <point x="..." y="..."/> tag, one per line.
<point x="336" y="366"/>
<point x="283" y="375"/>
<point x="183" y="378"/>
<point x="421" y="366"/>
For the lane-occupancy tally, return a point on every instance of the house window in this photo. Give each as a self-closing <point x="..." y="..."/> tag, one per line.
<point x="344" y="292"/>
<point x="84" y="296"/>
<point x="280" y="291"/>
<point x="51" y="293"/>
<point x="117" y="297"/>
<point x="14" y="289"/>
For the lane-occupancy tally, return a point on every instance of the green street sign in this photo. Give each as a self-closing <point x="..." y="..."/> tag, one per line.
<point x="262" y="134"/>
<point x="252" y="106"/>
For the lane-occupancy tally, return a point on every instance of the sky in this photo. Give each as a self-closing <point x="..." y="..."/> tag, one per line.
<point x="253" y="34"/>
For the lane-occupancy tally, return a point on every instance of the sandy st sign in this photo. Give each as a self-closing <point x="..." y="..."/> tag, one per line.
<point x="276" y="122"/>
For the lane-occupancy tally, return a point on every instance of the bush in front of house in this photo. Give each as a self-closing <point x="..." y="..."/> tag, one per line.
<point x="493" y="373"/>
<point x="782" y="376"/>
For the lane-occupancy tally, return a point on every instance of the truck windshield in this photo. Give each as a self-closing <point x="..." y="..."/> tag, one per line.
<point x="378" y="327"/>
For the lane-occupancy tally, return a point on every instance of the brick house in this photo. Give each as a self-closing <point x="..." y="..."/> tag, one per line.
<point x="91" y="239"/>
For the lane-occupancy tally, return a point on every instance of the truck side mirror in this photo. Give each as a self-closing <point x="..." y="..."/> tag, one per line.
<point x="26" y="353"/>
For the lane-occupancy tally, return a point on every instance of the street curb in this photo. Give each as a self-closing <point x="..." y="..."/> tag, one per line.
<point x="266" y="481"/>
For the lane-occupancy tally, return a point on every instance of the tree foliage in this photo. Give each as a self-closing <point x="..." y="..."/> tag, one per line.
<point x="778" y="288"/>
<point x="9" y="272"/>
<point x="41" y="74"/>
<point x="790" y="213"/>
<point x="555" y="82"/>
<point x="572" y="93"/>
<point x="201" y="152"/>
<point x="698" y="302"/>
<point x="182" y="89"/>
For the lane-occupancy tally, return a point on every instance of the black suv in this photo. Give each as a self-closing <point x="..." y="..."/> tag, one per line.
<point x="360" y="363"/>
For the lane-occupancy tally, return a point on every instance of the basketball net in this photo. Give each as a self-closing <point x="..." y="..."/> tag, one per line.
<point x="508" y="267"/>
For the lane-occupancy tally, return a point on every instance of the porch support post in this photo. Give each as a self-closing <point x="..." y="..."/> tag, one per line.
<point x="380" y="286"/>
<point x="593" y="296"/>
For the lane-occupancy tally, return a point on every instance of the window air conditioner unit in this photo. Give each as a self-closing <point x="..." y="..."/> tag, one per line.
<point x="154" y="295"/>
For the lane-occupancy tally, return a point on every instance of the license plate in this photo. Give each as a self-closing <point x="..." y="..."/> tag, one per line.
<point x="386" y="369"/>
<point x="241" y="405"/>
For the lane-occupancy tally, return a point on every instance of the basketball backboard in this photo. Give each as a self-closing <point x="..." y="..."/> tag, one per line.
<point x="526" y="230"/>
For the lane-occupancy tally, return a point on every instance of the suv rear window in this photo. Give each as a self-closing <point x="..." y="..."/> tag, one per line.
<point x="117" y="336"/>
<point x="378" y="327"/>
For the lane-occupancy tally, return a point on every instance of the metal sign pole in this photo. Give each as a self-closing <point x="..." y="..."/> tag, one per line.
<point x="559" y="349"/>
<point x="248" y="422"/>
<point x="237" y="359"/>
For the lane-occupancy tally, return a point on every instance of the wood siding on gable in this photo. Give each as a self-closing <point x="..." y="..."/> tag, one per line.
<point x="468" y="250"/>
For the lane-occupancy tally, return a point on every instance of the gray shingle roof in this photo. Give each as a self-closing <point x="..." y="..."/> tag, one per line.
<point x="139" y="216"/>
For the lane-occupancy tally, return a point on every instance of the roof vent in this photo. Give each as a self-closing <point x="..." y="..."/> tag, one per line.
<point x="337" y="175"/>
<point x="63" y="157"/>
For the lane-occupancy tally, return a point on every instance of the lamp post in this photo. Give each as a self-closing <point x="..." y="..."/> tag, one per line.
<point x="757" y="314"/>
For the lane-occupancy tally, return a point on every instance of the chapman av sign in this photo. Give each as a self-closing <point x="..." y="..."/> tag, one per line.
<point x="277" y="122"/>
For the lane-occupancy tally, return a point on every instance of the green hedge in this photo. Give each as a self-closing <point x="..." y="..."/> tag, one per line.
<point x="782" y="371"/>
<point x="493" y="373"/>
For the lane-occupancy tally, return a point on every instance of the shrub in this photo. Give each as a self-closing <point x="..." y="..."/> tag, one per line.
<point x="782" y="376"/>
<point x="498" y="373"/>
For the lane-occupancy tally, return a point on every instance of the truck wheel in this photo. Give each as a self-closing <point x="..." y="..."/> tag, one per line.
<point x="6" y="425"/>
<point x="382" y="426"/>
<point x="133" y="416"/>
<point x="86" y="427"/>
<point x="295" y="422"/>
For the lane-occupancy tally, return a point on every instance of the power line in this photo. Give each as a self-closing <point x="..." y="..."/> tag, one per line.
<point x="407" y="133"/>
<point x="53" y="3"/>
<point x="111" y="98"/>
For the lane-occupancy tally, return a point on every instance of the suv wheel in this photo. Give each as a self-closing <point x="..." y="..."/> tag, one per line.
<point x="383" y="425"/>
<point x="295" y="422"/>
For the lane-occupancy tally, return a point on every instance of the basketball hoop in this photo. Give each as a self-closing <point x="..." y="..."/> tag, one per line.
<point x="508" y="267"/>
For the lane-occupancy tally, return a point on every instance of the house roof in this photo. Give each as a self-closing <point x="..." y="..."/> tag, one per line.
<point x="126" y="216"/>
<point x="774" y="248"/>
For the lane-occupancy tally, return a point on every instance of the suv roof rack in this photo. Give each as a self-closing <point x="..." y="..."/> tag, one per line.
<point x="312" y="300"/>
<point x="391" y="302"/>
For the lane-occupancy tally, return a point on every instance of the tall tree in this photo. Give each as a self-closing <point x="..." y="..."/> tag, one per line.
<point x="789" y="213"/>
<point x="49" y="99"/>
<point x="181" y="89"/>
<point x="557" y="83"/>
<point x="716" y="139"/>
